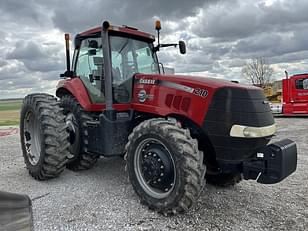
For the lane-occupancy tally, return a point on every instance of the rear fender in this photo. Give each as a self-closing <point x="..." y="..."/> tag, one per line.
<point x="76" y="88"/>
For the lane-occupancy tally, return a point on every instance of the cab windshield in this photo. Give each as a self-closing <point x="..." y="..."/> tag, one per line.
<point x="130" y="56"/>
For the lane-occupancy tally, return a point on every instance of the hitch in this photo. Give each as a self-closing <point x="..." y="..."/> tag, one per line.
<point x="273" y="163"/>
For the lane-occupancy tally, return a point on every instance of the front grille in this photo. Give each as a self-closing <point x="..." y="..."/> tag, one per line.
<point x="241" y="106"/>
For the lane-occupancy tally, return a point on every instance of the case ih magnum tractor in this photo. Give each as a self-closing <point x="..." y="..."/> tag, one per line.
<point x="175" y="132"/>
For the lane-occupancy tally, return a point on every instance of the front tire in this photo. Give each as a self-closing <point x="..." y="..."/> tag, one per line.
<point x="165" y="166"/>
<point x="44" y="139"/>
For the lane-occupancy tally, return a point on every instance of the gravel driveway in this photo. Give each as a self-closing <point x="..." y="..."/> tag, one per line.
<point x="103" y="199"/>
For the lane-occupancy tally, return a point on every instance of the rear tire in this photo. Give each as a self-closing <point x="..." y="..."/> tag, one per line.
<point x="43" y="135"/>
<point x="165" y="166"/>
<point x="76" y="119"/>
<point x="223" y="179"/>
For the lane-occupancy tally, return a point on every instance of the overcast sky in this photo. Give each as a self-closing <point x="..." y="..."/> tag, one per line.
<point x="221" y="35"/>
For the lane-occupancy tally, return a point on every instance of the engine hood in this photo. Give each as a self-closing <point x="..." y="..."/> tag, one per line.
<point x="193" y="81"/>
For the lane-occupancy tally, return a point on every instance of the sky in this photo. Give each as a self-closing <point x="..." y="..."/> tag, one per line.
<point x="221" y="36"/>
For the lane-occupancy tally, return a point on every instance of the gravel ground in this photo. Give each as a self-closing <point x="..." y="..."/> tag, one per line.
<point x="103" y="199"/>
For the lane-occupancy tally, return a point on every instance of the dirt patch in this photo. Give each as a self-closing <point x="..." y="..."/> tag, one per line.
<point x="8" y="131"/>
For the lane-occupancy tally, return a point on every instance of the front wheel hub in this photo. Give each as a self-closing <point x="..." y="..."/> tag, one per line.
<point x="155" y="168"/>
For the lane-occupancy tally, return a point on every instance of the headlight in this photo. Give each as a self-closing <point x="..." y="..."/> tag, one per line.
<point x="252" y="132"/>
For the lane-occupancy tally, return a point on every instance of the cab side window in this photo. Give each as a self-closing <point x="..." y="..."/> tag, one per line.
<point x="299" y="84"/>
<point x="89" y="68"/>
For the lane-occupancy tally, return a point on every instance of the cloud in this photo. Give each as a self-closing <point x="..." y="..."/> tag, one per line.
<point x="220" y="36"/>
<point x="137" y="13"/>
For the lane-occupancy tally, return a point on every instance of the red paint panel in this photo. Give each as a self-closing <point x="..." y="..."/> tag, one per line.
<point x="177" y="101"/>
<point x="169" y="99"/>
<point x="185" y="104"/>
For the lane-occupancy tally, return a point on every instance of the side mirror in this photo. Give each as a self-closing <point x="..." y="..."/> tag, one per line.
<point x="67" y="74"/>
<point x="182" y="47"/>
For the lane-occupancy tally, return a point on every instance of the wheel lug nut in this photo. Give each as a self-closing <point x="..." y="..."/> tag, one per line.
<point x="161" y="174"/>
<point x="145" y="156"/>
<point x="159" y="160"/>
<point x="154" y="155"/>
<point x="166" y="189"/>
<point x="171" y="184"/>
<point x="150" y="153"/>
<point x="159" y="180"/>
<point x="155" y="182"/>
<point x="161" y="166"/>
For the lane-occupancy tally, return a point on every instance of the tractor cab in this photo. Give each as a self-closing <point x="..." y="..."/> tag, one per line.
<point x="129" y="54"/>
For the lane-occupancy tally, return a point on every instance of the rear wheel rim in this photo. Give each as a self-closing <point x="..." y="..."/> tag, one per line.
<point x="73" y="133"/>
<point x="32" y="137"/>
<point x="155" y="168"/>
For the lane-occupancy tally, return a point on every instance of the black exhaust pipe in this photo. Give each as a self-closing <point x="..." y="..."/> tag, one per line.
<point x="68" y="72"/>
<point x="109" y="112"/>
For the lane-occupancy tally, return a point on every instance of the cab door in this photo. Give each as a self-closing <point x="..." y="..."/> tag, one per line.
<point x="89" y="68"/>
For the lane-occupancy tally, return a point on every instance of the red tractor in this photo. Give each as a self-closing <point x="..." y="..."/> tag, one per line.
<point x="175" y="132"/>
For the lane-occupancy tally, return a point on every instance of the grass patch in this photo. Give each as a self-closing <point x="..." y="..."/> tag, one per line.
<point x="9" y="112"/>
<point x="9" y="122"/>
<point x="10" y="105"/>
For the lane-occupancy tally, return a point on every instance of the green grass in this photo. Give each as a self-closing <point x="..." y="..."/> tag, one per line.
<point x="10" y="105"/>
<point x="10" y="122"/>
<point x="9" y="112"/>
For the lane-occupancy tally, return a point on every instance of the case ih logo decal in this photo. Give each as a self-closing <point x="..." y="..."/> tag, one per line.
<point x="143" y="96"/>
<point x="147" y="81"/>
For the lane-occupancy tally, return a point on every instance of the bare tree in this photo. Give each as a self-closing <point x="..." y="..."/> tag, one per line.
<point x="258" y="72"/>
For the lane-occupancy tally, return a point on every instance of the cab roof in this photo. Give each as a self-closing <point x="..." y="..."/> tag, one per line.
<point x="122" y="29"/>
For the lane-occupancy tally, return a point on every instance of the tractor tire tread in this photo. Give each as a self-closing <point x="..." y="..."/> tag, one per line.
<point x="54" y="139"/>
<point x="84" y="160"/>
<point x="191" y="161"/>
